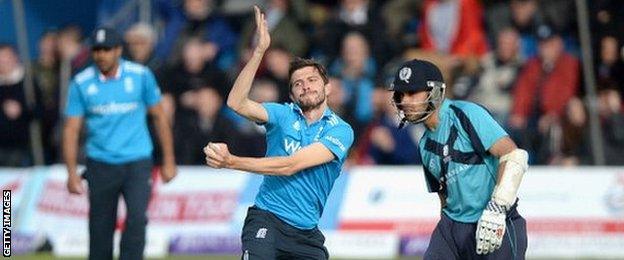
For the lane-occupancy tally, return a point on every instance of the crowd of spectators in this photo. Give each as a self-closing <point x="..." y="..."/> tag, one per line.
<point x="519" y="58"/>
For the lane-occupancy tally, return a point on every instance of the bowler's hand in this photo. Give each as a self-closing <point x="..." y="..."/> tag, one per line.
<point x="217" y="155"/>
<point x="74" y="184"/>
<point x="168" y="172"/>
<point x="262" y="32"/>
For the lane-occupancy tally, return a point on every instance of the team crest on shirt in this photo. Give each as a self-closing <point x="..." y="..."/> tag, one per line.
<point x="128" y="85"/>
<point x="404" y="74"/>
<point x="296" y="126"/>
<point x="92" y="90"/>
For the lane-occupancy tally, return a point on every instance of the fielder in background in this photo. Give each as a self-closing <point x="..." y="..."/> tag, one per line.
<point x="471" y="162"/>
<point x="306" y="146"/>
<point x="113" y="99"/>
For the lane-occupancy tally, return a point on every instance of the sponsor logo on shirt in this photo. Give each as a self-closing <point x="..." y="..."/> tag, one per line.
<point x="452" y="174"/>
<point x="114" y="108"/>
<point x="337" y="142"/>
<point x="291" y="146"/>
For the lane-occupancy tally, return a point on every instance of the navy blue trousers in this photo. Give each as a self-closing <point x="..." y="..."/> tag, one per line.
<point x="266" y="237"/>
<point x="106" y="183"/>
<point x="456" y="240"/>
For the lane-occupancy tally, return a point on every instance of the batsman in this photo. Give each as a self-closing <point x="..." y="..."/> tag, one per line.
<point x="471" y="162"/>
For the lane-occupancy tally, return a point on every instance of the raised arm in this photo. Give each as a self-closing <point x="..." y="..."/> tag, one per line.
<point x="218" y="156"/>
<point x="238" y="99"/>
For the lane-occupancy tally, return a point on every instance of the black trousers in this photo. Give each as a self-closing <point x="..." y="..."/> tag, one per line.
<point x="265" y="237"/>
<point x="455" y="240"/>
<point x="106" y="183"/>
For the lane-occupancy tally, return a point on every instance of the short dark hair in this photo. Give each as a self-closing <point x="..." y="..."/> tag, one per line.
<point x="298" y="63"/>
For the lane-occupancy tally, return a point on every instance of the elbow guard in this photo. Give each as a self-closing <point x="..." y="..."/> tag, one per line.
<point x="516" y="164"/>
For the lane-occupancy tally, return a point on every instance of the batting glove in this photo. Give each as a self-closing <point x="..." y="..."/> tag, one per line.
<point x="491" y="228"/>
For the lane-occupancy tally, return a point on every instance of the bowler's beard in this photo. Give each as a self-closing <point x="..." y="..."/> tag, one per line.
<point x="307" y="103"/>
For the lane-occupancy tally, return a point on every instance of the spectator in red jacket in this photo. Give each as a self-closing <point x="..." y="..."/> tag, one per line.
<point x="544" y="87"/>
<point x="454" y="30"/>
<point x="453" y="27"/>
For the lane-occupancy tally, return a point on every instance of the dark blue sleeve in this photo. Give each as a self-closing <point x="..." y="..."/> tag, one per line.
<point x="480" y="126"/>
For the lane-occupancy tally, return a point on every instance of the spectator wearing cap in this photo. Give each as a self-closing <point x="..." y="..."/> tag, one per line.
<point x="112" y="98"/>
<point x="544" y="87"/>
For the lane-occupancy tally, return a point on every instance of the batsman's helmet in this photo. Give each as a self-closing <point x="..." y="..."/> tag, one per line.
<point x="415" y="76"/>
